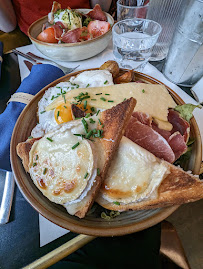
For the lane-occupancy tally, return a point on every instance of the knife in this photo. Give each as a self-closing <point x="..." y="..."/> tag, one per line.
<point x="28" y="64"/>
<point x="7" y="198"/>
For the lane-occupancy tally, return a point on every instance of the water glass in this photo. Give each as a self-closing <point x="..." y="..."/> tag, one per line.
<point x="167" y="14"/>
<point x="128" y="9"/>
<point x="133" y="40"/>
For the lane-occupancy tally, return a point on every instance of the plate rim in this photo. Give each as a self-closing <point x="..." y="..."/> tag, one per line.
<point x="79" y="228"/>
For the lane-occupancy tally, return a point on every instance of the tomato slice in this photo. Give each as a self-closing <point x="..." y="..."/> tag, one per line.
<point x="48" y="35"/>
<point x="97" y="28"/>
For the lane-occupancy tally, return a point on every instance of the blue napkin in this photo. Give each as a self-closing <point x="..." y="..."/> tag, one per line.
<point x="40" y="76"/>
<point x="1" y="54"/>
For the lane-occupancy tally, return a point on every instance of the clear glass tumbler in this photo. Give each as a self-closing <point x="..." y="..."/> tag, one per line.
<point x="133" y="40"/>
<point x="167" y="14"/>
<point x="128" y="9"/>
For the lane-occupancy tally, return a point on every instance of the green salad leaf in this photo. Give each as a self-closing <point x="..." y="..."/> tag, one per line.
<point x="186" y="110"/>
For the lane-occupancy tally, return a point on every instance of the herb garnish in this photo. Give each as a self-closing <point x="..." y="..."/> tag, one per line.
<point x="105" y="81"/>
<point x="34" y="164"/>
<point x="49" y="139"/>
<point x="143" y="91"/>
<point x="107" y="94"/>
<point x="98" y="93"/>
<point x="45" y="170"/>
<point x="85" y="104"/>
<point x="116" y="203"/>
<point x="110" y="101"/>
<point x="91" y="120"/>
<point x="87" y="85"/>
<point x="58" y="114"/>
<point x="86" y="175"/>
<point x="42" y="112"/>
<point x="103" y="99"/>
<point x="98" y="171"/>
<point x="75" y="146"/>
<point x="88" y="115"/>
<point x="97" y="112"/>
<point x="85" y="125"/>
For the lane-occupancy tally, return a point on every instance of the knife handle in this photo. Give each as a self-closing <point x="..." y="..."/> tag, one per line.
<point x="24" y="55"/>
<point x="7" y="198"/>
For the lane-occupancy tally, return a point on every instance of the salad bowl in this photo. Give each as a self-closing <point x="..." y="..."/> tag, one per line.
<point x="69" y="51"/>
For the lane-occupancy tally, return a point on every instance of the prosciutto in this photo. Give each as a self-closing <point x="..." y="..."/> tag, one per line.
<point x="179" y="124"/>
<point x="97" y="14"/>
<point x="167" y="145"/>
<point x="72" y="36"/>
<point x="149" y="139"/>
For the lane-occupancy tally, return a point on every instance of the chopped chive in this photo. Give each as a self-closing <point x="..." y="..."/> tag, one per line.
<point x="79" y="135"/>
<point x="97" y="112"/>
<point x="98" y="171"/>
<point x="124" y="99"/>
<point x="85" y="125"/>
<point x="45" y="170"/>
<point x="94" y="131"/>
<point x="103" y="126"/>
<point x="88" y="115"/>
<point x="46" y="99"/>
<point x="143" y="91"/>
<point x="105" y="81"/>
<point x="85" y="97"/>
<point x="30" y="137"/>
<point x="58" y="87"/>
<point x="110" y="101"/>
<point x="42" y="112"/>
<point x="103" y="99"/>
<point x="86" y="175"/>
<point x="99" y="121"/>
<point x="85" y="104"/>
<point x="34" y="164"/>
<point x="98" y="93"/>
<point x="58" y="94"/>
<point x="77" y="86"/>
<point x="116" y="203"/>
<point x="72" y="88"/>
<point x="91" y="120"/>
<point x="89" y="134"/>
<point x="92" y="109"/>
<point x="49" y="139"/>
<point x="107" y="94"/>
<point x="93" y="99"/>
<point x="36" y="158"/>
<point x="64" y="98"/>
<point x="87" y="85"/>
<point x="75" y="146"/>
<point x="57" y="114"/>
<point x="65" y="106"/>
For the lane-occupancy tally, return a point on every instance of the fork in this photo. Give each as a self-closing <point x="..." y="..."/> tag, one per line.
<point x="34" y="58"/>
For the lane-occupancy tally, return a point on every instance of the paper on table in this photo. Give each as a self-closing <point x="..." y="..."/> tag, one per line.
<point x="48" y="230"/>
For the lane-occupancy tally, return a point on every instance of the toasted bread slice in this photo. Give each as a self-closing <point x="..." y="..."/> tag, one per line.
<point x="23" y="150"/>
<point x="114" y="121"/>
<point x="177" y="188"/>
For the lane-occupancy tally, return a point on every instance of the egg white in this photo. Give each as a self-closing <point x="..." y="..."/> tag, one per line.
<point x="86" y="79"/>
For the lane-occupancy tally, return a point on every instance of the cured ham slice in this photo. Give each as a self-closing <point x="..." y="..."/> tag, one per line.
<point x="72" y="36"/>
<point x="56" y="6"/>
<point x="164" y="133"/>
<point x="97" y="14"/>
<point x="146" y="137"/>
<point x="58" y="30"/>
<point x="179" y="124"/>
<point x="177" y="143"/>
<point x="76" y="35"/>
<point x="143" y="117"/>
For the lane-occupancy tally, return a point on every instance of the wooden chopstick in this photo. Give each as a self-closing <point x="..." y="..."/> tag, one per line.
<point x="60" y="252"/>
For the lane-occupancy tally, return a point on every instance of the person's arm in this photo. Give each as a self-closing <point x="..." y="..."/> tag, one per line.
<point x="7" y="16"/>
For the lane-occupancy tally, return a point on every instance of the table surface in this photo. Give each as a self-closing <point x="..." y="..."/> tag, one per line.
<point x="20" y="237"/>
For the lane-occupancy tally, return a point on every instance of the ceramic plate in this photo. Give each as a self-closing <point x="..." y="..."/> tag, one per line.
<point x="127" y="222"/>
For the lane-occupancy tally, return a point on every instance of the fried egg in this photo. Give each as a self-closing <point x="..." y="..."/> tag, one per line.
<point x="63" y="166"/>
<point x="134" y="174"/>
<point x="49" y="120"/>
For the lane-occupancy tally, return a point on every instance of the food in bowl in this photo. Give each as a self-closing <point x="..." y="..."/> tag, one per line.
<point x="72" y="26"/>
<point x="78" y="153"/>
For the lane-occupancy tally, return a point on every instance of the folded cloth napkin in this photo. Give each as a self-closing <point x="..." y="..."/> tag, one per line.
<point x="1" y="59"/>
<point x="40" y="76"/>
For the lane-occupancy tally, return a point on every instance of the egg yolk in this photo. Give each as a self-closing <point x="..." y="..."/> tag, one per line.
<point x="63" y="113"/>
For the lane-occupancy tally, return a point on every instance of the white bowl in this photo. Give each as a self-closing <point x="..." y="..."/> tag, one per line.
<point x="69" y="51"/>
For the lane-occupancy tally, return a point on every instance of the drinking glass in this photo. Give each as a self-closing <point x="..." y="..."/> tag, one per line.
<point x="128" y="9"/>
<point x="133" y="40"/>
<point x="167" y="14"/>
